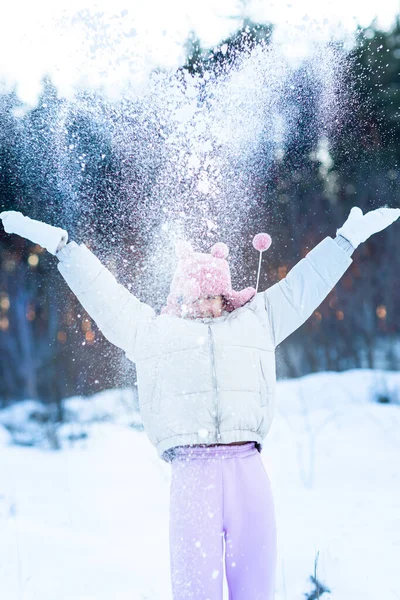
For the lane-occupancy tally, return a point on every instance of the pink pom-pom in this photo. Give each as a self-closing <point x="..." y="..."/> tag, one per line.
<point x="262" y="241"/>
<point x="183" y="249"/>
<point x="220" y="250"/>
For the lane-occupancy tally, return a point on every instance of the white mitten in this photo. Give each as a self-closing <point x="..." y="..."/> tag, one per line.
<point x="359" y="227"/>
<point x="47" y="236"/>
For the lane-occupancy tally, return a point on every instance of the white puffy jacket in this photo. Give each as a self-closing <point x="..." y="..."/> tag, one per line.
<point x="204" y="381"/>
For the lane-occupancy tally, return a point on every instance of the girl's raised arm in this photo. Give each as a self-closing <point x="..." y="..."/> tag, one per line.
<point x="119" y="314"/>
<point x="292" y="301"/>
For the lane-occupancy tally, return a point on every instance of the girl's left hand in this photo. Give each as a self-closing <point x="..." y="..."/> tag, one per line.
<point x="359" y="227"/>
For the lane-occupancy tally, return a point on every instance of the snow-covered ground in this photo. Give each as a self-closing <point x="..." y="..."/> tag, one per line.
<point x="90" y="521"/>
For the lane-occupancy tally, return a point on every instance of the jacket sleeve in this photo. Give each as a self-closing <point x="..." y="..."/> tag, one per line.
<point x="291" y="301"/>
<point x="119" y="315"/>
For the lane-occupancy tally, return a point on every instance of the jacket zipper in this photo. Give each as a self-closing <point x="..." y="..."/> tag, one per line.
<point x="211" y="340"/>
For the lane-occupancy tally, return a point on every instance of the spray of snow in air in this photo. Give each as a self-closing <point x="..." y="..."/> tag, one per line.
<point x="181" y="153"/>
<point x="219" y="133"/>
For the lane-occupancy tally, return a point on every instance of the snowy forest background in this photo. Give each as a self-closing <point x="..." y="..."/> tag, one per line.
<point x="51" y="349"/>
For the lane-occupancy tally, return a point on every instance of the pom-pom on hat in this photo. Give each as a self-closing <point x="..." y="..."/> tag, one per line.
<point x="261" y="242"/>
<point x="220" y="250"/>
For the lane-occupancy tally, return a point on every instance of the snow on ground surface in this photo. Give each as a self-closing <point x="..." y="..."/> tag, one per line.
<point x="90" y="521"/>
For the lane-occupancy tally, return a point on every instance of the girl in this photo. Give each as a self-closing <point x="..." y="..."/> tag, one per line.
<point x="206" y="379"/>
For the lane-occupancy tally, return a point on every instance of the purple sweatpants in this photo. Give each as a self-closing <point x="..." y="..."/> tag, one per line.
<point x="221" y="496"/>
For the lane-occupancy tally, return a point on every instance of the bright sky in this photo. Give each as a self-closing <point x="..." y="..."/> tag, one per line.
<point x="127" y="39"/>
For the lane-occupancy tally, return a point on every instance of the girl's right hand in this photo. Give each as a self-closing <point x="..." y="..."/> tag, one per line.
<point x="47" y="236"/>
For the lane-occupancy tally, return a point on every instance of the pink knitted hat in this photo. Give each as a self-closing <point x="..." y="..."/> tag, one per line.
<point x="199" y="275"/>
